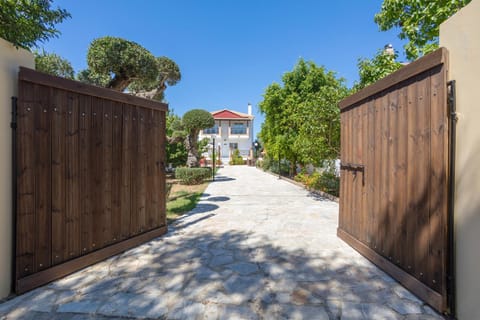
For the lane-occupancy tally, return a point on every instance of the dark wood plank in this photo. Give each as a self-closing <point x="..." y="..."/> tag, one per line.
<point x="370" y="174"/>
<point x="107" y="140"/>
<point x="96" y="164"/>
<point x="32" y="281"/>
<point x="377" y="227"/>
<point x="393" y="216"/>
<point x="127" y="154"/>
<point x="401" y="179"/>
<point x="134" y="180"/>
<point x="412" y="171"/>
<point x="411" y="70"/>
<point x="117" y="124"/>
<point x="43" y="199"/>
<point x="149" y="173"/>
<point x="160" y="165"/>
<point x="418" y="288"/>
<point x="141" y="170"/>
<point x="422" y="185"/>
<point x="384" y="177"/>
<point x="59" y="104"/>
<point x="438" y="181"/>
<point x="25" y="242"/>
<point x="73" y="219"/>
<point x="29" y="75"/>
<point x="85" y="154"/>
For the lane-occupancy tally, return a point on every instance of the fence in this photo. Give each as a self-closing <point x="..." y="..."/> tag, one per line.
<point x="394" y="176"/>
<point x="90" y="175"/>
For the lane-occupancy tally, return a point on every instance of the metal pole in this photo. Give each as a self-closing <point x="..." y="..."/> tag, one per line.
<point x="13" y="125"/>
<point x="213" y="164"/>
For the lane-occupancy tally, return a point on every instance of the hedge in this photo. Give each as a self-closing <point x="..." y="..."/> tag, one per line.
<point x="192" y="175"/>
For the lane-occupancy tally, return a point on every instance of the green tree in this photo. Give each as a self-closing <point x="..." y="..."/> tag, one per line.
<point x="302" y="119"/>
<point x="168" y="73"/>
<point x="192" y="122"/>
<point x="418" y="21"/>
<point x="121" y="64"/>
<point x="372" y="70"/>
<point x="175" y="148"/>
<point x="27" y="22"/>
<point x="53" y="64"/>
<point x="120" y="60"/>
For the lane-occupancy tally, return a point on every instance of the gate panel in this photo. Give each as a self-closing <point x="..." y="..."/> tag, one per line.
<point x="394" y="183"/>
<point x="89" y="179"/>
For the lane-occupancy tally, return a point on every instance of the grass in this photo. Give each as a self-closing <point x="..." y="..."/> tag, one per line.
<point x="183" y="198"/>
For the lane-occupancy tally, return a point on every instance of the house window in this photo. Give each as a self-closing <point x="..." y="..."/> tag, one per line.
<point x="238" y="128"/>
<point x="212" y="130"/>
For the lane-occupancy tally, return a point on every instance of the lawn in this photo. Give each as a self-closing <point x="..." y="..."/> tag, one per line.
<point x="183" y="198"/>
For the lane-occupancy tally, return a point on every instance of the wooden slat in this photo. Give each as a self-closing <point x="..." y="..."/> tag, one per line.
<point x="160" y="165"/>
<point x="127" y="154"/>
<point x="59" y="104"/>
<point x="117" y="124"/>
<point x="412" y="284"/>
<point x="35" y="280"/>
<point x="96" y="165"/>
<point x="149" y="171"/>
<point x="25" y="242"/>
<point x="29" y="75"/>
<point x="85" y="154"/>
<point x="43" y="218"/>
<point x="141" y="170"/>
<point x="107" y="173"/>
<point x="73" y="218"/>
<point x="134" y="165"/>
<point x="411" y="70"/>
<point x="438" y="180"/>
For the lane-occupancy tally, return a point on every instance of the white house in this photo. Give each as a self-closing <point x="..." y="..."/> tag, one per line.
<point x="232" y="130"/>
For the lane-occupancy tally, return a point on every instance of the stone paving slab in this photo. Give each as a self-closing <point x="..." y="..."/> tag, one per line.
<point x="254" y="248"/>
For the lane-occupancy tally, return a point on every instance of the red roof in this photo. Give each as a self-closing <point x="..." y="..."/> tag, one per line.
<point x="228" y="114"/>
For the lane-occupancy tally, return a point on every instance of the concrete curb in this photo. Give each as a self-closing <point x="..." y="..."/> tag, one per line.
<point x="317" y="192"/>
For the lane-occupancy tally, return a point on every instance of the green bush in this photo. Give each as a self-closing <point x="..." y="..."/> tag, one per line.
<point x="329" y="183"/>
<point x="236" y="158"/>
<point x="192" y="175"/>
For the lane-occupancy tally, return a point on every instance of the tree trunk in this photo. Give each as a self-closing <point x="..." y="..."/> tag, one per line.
<point x="192" y="149"/>
<point x="119" y="83"/>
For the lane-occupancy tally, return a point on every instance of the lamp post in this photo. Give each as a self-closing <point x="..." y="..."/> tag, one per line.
<point x="213" y="158"/>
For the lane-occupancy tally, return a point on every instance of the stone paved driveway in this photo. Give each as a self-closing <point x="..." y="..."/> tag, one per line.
<point x="254" y="248"/>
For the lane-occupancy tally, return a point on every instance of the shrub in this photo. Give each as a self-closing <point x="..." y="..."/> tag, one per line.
<point x="192" y="175"/>
<point x="329" y="183"/>
<point x="236" y="158"/>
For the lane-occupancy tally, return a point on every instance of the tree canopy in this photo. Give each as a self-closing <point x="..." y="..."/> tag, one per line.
<point x="302" y="119"/>
<point x="120" y="60"/>
<point x="53" y="64"/>
<point x="372" y="70"/>
<point x="125" y="65"/>
<point x="25" y="23"/>
<point x="187" y="129"/>
<point x="418" y="21"/>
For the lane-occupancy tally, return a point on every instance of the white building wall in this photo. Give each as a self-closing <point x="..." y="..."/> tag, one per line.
<point x="10" y="61"/>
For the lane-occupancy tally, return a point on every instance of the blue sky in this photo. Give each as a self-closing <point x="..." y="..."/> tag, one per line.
<point x="229" y="51"/>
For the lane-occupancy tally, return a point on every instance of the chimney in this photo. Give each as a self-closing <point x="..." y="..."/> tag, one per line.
<point x="249" y="108"/>
<point x="388" y="49"/>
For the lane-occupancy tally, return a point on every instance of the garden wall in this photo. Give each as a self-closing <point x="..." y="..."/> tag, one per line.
<point x="11" y="59"/>
<point x="461" y="35"/>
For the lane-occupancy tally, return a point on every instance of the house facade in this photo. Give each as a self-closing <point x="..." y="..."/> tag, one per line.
<point x="233" y="130"/>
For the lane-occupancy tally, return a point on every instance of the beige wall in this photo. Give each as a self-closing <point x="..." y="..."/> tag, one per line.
<point x="10" y="60"/>
<point x="461" y="36"/>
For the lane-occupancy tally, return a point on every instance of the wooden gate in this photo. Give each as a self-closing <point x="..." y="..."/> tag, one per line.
<point x="394" y="176"/>
<point x="90" y="175"/>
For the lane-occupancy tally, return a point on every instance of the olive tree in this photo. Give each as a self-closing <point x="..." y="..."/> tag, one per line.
<point x="125" y="65"/>
<point x="192" y="122"/>
<point x="53" y="64"/>
<point x="120" y="60"/>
